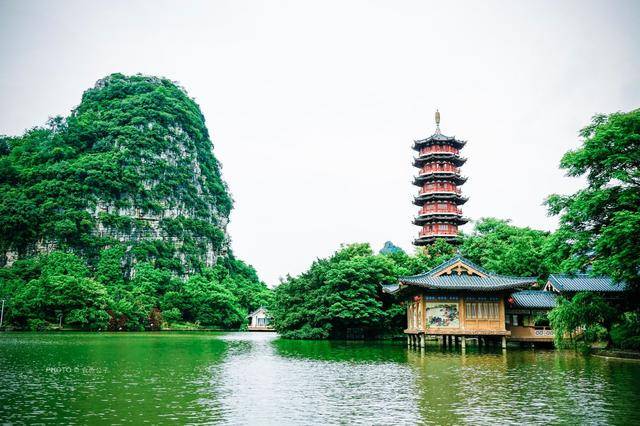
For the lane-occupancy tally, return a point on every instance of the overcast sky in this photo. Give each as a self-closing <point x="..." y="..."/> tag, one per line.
<point x="313" y="106"/>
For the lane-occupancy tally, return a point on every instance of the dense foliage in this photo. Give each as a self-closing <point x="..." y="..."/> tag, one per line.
<point x="344" y="292"/>
<point x="600" y="224"/>
<point x="132" y="163"/>
<point x="600" y="229"/>
<point x="510" y="250"/>
<point x="115" y="217"/>
<point x="583" y="320"/>
<point x="341" y="295"/>
<point x="61" y="288"/>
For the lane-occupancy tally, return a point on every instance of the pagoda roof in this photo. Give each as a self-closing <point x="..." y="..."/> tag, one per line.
<point x="459" y="273"/>
<point x="583" y="282"/>
<point x="439" y="156"/>
<point x="534" y="299"/>
<point x="419" y="200"/>
<point x="439" y="137"/>
<point x="441" y="176"/>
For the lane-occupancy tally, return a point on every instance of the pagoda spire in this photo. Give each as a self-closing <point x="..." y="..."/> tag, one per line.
<point x="439" y="180"/>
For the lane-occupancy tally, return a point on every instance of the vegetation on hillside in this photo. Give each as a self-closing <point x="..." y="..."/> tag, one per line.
<point x="114" y="217"/>
<point x="132" y="163"/>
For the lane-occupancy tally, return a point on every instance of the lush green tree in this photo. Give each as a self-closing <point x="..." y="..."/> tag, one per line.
<point x="63" y="289"/>
<point x="507" y="249"/>
<point x="600" y="224"/>
<point x="209" y="303"/>
<point x="584" y="319"/>
<point x="335" y="295"/>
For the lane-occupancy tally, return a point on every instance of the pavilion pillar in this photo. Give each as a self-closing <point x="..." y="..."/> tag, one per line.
<point x="463" y="342"/>
<point x="409" y="340"/>
<point x="450" y="342"/>
<point x="504" y="342"/>
<point x="422" y="340"/>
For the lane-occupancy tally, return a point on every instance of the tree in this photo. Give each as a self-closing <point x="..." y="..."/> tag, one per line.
<point x="335" y="295"/>
<point x="586" y="316"/>
<point x="506" y="249"/>
<point x="62" y="288"/>
<point x="600" y="224"/>
<point x="206" y="301"/>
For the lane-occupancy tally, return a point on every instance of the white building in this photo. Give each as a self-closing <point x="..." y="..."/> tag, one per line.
<point x="259" y="320"/>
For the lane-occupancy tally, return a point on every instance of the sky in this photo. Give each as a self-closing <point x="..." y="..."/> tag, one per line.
<point x="313" y="106"/>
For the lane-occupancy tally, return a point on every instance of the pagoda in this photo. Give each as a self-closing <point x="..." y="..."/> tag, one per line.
<point x="439" y="180"/>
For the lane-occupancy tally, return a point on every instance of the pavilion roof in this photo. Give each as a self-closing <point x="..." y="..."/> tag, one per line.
<point x="584" y="282"/>
<point x="534" y="299"/>
<point x="459" y="273"/>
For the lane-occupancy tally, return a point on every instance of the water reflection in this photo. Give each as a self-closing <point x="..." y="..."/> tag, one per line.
<point x="288" y="382"/>
<point x="256" y="378"/>
<point x="104" y="378"/>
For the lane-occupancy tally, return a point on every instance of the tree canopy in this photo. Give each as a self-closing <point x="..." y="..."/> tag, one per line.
<point x="600" y="224"/>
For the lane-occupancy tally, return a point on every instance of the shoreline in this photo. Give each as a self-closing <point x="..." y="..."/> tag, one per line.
<point x="617" y="354"/>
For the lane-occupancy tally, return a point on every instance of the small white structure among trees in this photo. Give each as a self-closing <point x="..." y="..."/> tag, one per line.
<point x="260" y="320"/>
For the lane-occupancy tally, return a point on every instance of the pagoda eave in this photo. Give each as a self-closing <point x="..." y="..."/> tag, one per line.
<point x="445" y="176"/>
<point x="428" y="240"/>
<point x="437" y="196"/>
<point x="417" y="145"/>
<point x="452" y="158"/>
<point x="454" y="218"/>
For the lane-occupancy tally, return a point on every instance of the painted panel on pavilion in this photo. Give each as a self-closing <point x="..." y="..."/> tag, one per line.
<point x="443" y="314"/>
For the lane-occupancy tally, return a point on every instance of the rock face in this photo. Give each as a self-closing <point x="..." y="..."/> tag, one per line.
<point x="132" y="165"/>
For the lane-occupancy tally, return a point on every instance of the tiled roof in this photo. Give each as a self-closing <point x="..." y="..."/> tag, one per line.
<point x="584" y="282"/>
<point x="534" y="299"/>
<point x="438" y="137"/>
<point x="454" y="281"/>
<point x="467" y="282"/>
<point x="390" y="288"/>
<point x="453" y="260"/>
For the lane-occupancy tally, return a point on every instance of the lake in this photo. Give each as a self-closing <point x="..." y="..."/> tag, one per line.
<point x="257" y="378"/>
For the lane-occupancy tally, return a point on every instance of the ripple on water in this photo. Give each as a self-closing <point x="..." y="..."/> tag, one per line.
<point x="240" y="378"/>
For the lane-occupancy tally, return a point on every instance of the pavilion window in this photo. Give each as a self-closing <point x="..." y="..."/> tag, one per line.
<point x="482" y="310"/>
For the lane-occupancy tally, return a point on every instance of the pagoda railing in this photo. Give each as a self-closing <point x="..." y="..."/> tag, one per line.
<point x="439" y="149"/>
<point x="451" y="189"/>
<point x="438" y="233"/>
<point x="442" y="168"/>
<point x="425" y="210"/>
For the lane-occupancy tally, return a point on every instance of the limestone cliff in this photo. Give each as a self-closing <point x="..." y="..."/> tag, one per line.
<point x="133" y="164"/>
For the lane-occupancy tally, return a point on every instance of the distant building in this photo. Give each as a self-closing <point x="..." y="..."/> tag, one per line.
<point x="259" y="320"/>
<point x="439" y="180"/>
<point x="390" y="248"/>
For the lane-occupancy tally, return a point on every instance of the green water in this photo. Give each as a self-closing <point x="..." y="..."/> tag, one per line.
<point x="256" y="378"/>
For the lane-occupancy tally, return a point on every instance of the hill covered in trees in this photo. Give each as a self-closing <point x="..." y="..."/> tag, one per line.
<point x="115" y="216"/>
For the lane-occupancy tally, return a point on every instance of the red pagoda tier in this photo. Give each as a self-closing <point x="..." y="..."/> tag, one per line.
<point x="439" y="179"/>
